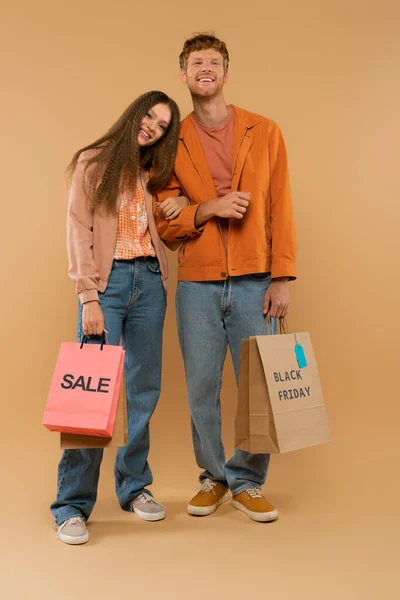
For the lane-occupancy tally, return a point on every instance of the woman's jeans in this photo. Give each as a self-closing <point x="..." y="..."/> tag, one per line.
<point x="134" y="309"/>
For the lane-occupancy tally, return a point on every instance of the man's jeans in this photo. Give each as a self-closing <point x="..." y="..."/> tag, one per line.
<point x="212" y="315"/>
<point x="134" y="309"/>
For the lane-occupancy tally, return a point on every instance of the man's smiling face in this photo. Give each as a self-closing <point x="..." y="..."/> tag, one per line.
<point x="205" y="74"/>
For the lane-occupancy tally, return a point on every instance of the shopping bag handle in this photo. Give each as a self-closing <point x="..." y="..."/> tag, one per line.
<point x="283" y="326"/>
<point x="104" y="340"/>
<point x="283" y="329"/>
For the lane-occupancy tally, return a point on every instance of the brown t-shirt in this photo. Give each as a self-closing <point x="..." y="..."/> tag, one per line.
<point x="217" y="143"/>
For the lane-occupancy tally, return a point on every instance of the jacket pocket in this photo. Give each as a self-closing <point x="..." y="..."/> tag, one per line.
<point x="182" y="249"/>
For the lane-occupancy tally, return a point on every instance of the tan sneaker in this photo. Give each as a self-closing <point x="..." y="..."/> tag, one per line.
<point x="210" y="496"/>
<point x="147" y="508"/>
<point x="73" y="531"/>
<point x="256" y="507"/>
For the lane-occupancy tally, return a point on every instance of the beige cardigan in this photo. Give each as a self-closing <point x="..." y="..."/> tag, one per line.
<point x="92" y="236"/>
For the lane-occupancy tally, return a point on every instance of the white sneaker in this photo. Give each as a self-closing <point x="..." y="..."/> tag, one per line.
<point x="147" y="508"/>
<point x="73" y="531"/>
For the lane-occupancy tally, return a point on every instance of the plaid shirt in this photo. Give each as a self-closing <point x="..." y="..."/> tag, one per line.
<point x="133" y="238"/>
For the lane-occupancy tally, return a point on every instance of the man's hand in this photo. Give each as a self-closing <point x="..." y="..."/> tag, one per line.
<point x="277" y="298"/>
<point x="232" y="206"/>
<point x="92" y="318"/>
<point x="172" y="207"/>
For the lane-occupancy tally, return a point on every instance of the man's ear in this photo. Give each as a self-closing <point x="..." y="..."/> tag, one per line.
<point x="183" y="76"/>
<point x="226" y="76"/>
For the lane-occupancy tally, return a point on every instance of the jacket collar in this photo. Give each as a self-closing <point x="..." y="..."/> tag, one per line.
<point x="243" y="120"/>
<point x="242" y="141"/>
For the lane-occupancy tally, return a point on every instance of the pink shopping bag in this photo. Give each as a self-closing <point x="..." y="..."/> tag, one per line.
<point x="84" y="391"/>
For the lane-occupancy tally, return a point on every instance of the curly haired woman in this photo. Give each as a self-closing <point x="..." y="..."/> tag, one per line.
<point x="119" y="266"/>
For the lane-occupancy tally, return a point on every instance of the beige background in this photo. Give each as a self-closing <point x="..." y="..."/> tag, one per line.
<point x="328" y="73"/>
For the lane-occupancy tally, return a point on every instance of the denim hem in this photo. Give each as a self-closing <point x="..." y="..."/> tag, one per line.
<point x="245" y="487"/>
<point x="127" y="506"/>
<point x="224" y="485"/>
<point x="63" y="519"/>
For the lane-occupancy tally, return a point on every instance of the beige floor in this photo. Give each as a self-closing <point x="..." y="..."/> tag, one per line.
<point x="337" y="536"/>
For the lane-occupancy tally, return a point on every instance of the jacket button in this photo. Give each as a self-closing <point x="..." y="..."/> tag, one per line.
<point x="223" y="274"/>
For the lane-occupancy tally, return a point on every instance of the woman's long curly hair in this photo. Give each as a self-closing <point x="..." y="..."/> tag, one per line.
<point x="120" y="156"/>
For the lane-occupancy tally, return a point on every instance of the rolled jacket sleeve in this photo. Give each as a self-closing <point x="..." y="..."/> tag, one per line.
<point x="183" y="226"/>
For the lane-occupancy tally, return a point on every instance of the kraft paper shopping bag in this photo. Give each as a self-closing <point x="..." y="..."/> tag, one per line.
<point x="280" y="401"/>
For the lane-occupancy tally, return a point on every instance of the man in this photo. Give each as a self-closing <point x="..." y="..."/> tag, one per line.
<point x="235" y="262"/>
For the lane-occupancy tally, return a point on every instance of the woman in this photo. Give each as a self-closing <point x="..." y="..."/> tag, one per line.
<point x="119" y="267"/>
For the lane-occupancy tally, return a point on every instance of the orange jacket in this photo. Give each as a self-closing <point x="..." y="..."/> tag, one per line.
<point x="264" y="240"/>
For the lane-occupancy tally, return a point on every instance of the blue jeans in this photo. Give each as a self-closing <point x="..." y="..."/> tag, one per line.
<point x="134" y="308"/>
<point x="211" y="316"/>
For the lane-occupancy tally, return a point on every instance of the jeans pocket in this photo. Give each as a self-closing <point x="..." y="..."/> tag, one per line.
<point x="153" y="265"/>
<point x="259" y="276"/>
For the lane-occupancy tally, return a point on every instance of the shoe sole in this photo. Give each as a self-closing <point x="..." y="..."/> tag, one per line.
<point x="203" y="511"/>
<point x="73" y="540"/>
<point x="255" y="516"/>
<point x="148" y="516"/>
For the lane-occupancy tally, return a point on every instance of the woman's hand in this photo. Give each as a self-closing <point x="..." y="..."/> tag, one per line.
<point x="92" y="318"/>
<point x="172" y="207"/>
